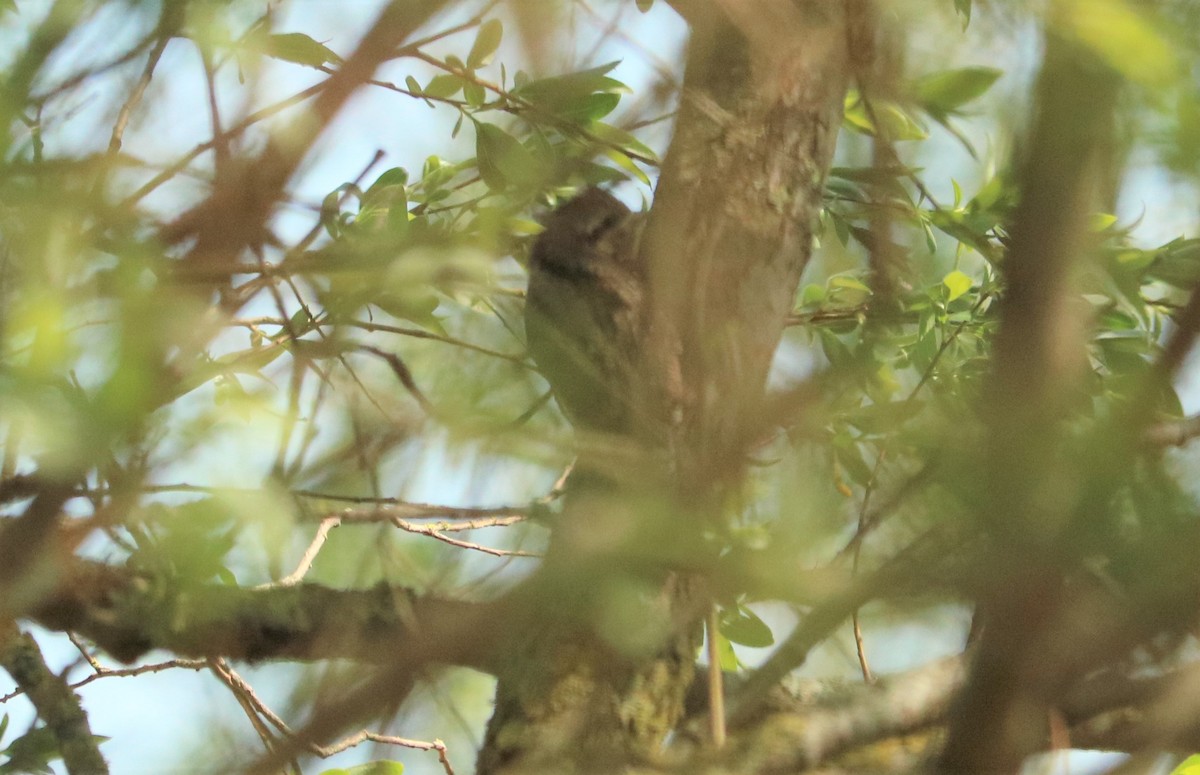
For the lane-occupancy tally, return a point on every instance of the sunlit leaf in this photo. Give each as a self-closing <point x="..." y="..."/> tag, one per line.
<point x="742" y="626"/>
<point x="1189" y="766"/>
<point x="486" y="43"/>
<point x="945" y="92"/>
<point x="628" y="164"/>
<point x="443" y="86"/>
<point x="957" y="283"/>
<point x="376" y="768"/>
<point x="503" y="160"/>
<point x="299" y="48"/>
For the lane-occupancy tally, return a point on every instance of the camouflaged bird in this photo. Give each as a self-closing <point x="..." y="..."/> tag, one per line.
<point x="584" y="310"/>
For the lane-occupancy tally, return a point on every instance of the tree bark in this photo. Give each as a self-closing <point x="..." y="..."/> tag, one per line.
<point x="727" y="239"/>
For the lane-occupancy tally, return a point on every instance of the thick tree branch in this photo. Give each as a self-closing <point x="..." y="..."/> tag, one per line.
<point x="128" y="615"/>
<point x="57" y="706"/>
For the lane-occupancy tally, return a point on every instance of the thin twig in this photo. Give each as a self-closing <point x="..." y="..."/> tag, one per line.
<point x="402" y="372"/>
<point x="433" y="532"/>
<point x="165" y="33"/>
<point x="309" y="556"/>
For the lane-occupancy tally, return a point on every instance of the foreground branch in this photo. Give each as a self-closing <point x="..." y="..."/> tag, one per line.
<point x="128" y="615"/>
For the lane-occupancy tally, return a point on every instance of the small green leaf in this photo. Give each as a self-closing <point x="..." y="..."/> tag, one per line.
<point x="1101" y="221"/>
<point x="627" y="163"/>
<point x="443" y="86"/>
<point x="8" y="6"/>
<point x="846" y="281"/>
<point x="582" y="96"/>
<point x="1189" y="766"/>
<point x="486" y="43"/>
<point x="32" y="752"/>
<point x="301" y="49"/>
<point x="474" y="94"/>
<point x="645" y="5"/>
<point x="957" y="283"/>
<point x="726" y="656"/>
<point x="502" y="159"/>
<point x="743" y="626"/>
<point x="899" y="125"/>
<point x="945" y="92"/>
<point x="835" y="349"/>
<point x="377" y="768"/>
<point x="964" y="10"/>
<point x="812" y="294"/>
<point x="621" y="139"/>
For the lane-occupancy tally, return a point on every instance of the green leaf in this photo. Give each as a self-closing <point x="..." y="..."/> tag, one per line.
<point x="726" y="656"/>
<point x="486" y="43"/>
<point x="502" y="159"/>
<point x="8" y="6"/>
<point x="957" y="283"/>
<point x="582" y="96"/>
<point x="964" y="10"/>
<point x="835" y="349"/>
<point x="743" y="626"/>
<point x="1178" y="264"/>
<point x="474" y="94"/>
<point x="31" y="752"/>
<point x="443" y="86"/>
<point x="1101" y="221"/>
<point x="396" y="176"/>
<point x="301" y="49"/>
<point x="622" y="139"/>
<point x="377" y="768"/>
<point x="899" y="125"/>
<point x="645" y="5"/>
<point x="812" y="294"/>
<point x="849" y="456"/>
<point x="628" y="164"/>
<point x="386" y="202"/>
<point x="590" y="108"/>
<point x="945" y="92"/>
<point x="847" y="290"/>
<point x="1189" y="766"/>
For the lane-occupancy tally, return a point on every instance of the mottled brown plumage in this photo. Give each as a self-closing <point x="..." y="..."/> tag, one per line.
<point x="584" y="310"/>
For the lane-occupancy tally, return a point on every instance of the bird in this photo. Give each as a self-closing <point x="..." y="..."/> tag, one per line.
<point x="585" y="311"/>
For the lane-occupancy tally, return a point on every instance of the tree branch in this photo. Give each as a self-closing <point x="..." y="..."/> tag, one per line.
<point x="128" y="615"/>
<point x="56" y="704"/>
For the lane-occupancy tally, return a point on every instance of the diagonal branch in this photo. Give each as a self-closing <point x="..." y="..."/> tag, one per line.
<point x="57" y="706"/>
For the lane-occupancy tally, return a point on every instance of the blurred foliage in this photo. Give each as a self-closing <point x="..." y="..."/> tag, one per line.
<point x="205" y="439"/>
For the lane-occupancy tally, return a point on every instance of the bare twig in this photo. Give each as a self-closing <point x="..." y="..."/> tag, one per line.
<point x="309" y="556"/>
<point x="166" y="27"/>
